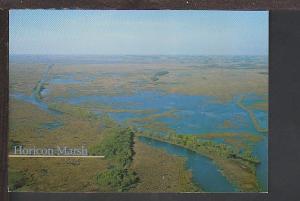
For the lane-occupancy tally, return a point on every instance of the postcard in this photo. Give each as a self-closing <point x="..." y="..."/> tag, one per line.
<point x="138" y="101"/>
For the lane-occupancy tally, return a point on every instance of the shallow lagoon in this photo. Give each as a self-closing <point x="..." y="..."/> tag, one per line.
<point x="191" y="114"/>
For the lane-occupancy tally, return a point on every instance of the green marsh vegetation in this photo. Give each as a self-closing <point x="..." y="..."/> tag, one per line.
<point x="117" y="147"/>
<point x="23" y="78"/>
<point x="159" y="171"/>
<point x="238" y="167"/>
<point x="17" y="180"/>
<point x="79" y="128"/>
<point x="237" y="141"/>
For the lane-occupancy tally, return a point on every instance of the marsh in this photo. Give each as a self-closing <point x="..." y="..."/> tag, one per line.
<point x="221" y="104"/>
<point x="175" y="101"/>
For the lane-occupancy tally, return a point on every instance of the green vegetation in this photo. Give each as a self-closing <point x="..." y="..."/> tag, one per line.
<point x="239" y="168"/>
<point x="152" y="118"/>
<point x="27" y="128"/>
<point x="16" y="179"/>
<point x="118" y="178"/>
<point x="41" y="84"/>
<point x="37" y="90"/>
<point x="238" y="141"/>
<point x="24" y="77"/>
<point x="259" y="106"/>
<point x="195" y="143"/>
<point x="118" y="148"/>
<point x="161" y="172"/>
<point x="76" y="111"/>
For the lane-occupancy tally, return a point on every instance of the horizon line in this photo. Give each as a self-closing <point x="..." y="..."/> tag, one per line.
<point x="36" y="54"/>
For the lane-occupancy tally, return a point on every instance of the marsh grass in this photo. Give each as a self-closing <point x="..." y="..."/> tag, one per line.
<point x="239" y="168"/>
<point x="161" y="172"/>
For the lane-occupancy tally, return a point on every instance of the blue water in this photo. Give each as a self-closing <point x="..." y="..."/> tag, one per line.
<point x="35" y="101"/>
<point x="253" y="98"/>
<point x="120" y="117"/>
<point x="192" y="115"/>
<point x="260" y="115"/>
<point x="261" y="118"/>
<point x="261" y="151"/>
<point x="204" y="171"/>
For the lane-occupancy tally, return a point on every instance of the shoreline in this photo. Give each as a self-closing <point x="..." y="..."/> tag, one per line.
<point x="219" y="163"/>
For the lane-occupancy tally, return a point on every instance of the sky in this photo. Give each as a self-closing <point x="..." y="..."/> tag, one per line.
<point x="161" y="32"/>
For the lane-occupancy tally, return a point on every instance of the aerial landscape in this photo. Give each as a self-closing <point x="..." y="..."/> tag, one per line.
<point x="163" y="120"/>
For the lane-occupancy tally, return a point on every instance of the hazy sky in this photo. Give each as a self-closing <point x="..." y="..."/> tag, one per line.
<point x="138" y="32"/>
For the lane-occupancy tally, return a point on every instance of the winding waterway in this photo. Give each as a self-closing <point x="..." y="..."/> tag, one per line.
<point x="35" y="97"/>
<point x="204" y="171"/>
